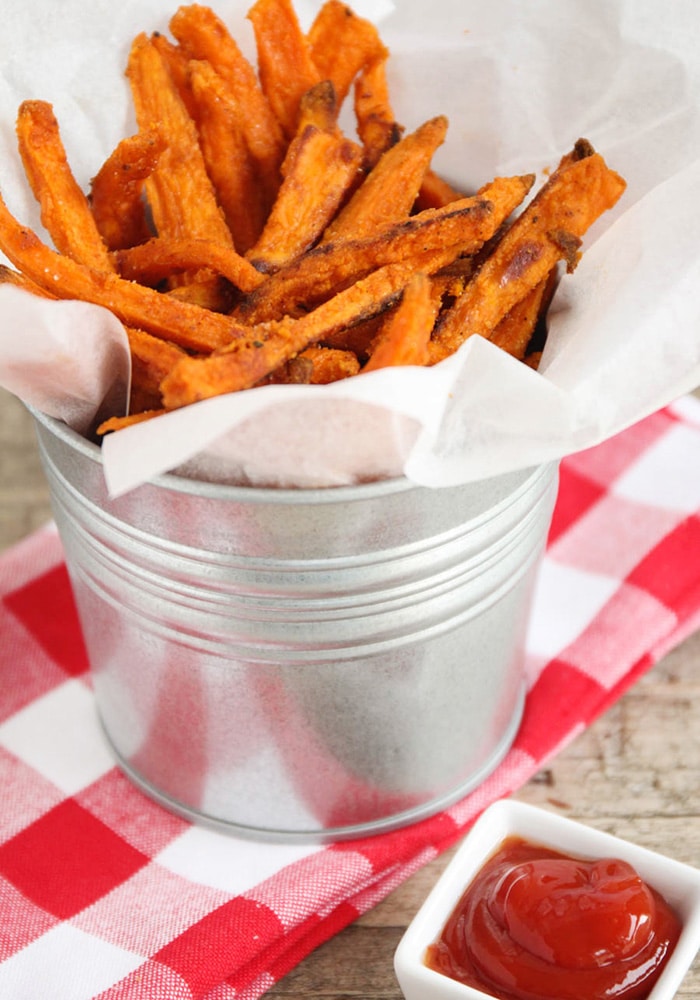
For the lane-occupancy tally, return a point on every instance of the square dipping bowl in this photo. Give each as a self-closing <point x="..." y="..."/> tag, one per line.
<point x="678" y="883"/>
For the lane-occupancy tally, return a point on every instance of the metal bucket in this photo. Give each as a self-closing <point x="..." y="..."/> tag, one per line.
<point x="302" y="664"/>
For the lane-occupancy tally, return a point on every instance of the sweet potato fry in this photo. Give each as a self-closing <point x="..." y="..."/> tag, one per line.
<point x="435" y="192"/>
<point x="515" y="331"/>
<point x="20" y="280"/>
<point x="180" y="194"/>
<point x="404" y="337"/>
<point x="65" y="211"/>
<point x="178" y="322"/>
<point x="429" y="241"/>
<point x="252" y="357"/>
<point x="203" y="35"/>
<point x="285" y="66"/>
<point x="376" y="126"/>
<point x="206" y="290"/>
<point x="548" y="230"/>
<point x="151" y="262"/>
<point x="232" y="169"/>
<point x="319" y="107"/>
<point x="341" y="43"/>
<point x="178" y="66"/>
<point x="319" y="170"/>
<point x="116" y="191"/>
<point x="390" y="189"/>
<point x="296" y="371"/>
<point x="450" y="281"/>
<point x="151" y="360"/>
<point x="358" y="338"/>
<point x="329" y="364"/>
<point x="117" y="423"/>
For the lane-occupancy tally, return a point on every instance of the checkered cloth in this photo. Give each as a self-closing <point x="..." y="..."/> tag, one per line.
<point x="104" y="894"/>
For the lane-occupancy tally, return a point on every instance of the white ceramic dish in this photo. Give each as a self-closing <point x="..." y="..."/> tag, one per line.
<point x="678" y="883"/>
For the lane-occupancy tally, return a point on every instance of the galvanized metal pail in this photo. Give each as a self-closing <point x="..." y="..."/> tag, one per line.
<point x="302" y="664"/>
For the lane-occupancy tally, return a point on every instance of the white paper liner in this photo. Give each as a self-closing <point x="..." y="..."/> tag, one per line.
<point x="519" y="83"/>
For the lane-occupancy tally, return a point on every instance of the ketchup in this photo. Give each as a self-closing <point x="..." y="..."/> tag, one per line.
<point x="538" y="925"/>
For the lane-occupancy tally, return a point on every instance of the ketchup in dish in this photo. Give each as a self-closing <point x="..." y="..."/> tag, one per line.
<point x="538" y="925"/>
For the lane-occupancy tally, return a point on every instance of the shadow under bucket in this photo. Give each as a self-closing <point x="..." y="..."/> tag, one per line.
<point x="302" y="664"/>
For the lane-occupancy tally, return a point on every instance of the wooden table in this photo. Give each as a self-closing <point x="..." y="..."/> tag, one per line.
<point x="635" y="773"/>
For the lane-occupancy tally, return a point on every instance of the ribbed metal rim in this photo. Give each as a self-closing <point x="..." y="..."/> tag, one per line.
<point x="250" y="494"/>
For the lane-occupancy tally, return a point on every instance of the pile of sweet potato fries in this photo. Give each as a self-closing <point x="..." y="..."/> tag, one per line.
<point x="242" y="238"/>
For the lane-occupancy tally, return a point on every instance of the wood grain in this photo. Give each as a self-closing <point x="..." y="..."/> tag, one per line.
<point x="634" y="773"/>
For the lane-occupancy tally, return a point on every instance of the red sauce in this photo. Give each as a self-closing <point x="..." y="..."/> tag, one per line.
<point x="538" y="925"/>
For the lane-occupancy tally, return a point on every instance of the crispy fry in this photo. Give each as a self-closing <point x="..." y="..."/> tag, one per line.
<point x="450" y="281"/>
<point x="202" y="35"/>
<point x="341" y="44"/>
<point x="116" y="191"/>
<point x="429" y="240"/>
<point x="404" y="337"/>
<point x="151" y="360"/>
<point x="390" y="189"/>
<point x="180" y="194"/>
<point x="296" y="371"/>
<point x="319" y="107"/>
<point x="180" y="323"/>
<point x="267" y="346"/>
<point x="178" y="66"/>
<point x="208" y="291"/>
<point x="20" y="280"/>
<point x="329" y="364"/>
<point x="244" y="240"/>
<point x="322" y="166"/>
<point x="358" y="338"/>
<point x="376" y="126"/>
<point x="150" y="262"/>
<point x="285" y="67"/>
<point x="548" y="230"/>
<point x="515" y="331"/>
<point x="65" y="211"/>
<point x="435" y="192"/>
<point x="117" y="423"/>
<point x="231" y="168"/>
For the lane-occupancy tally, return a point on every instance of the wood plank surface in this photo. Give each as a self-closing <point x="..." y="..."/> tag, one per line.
<point x="634" y="773"/>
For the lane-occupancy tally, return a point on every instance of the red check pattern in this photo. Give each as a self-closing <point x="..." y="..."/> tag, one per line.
<point x="103" y="894"/>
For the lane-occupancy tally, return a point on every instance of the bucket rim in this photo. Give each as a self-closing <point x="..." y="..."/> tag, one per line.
<point x="91" y="451"/>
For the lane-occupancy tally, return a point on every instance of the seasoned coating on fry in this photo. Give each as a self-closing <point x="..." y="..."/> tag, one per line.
<point x="430" y="240"/>
<point x="245" y="240"/>
<point x="404" y="337"/>
<point x="151" y="360"/>
<point x="376" y="126"/>
<point x="266" y="346"/>
<point x="285" y="67"/>
<point x="435" y="192"/>
<point x="151" y="262"/>
<point x="233" y="171"/>
<point x="548" y="230"/>
<point x="323" y="166"/>
<point x="203" y="35"/>
<point x="117" y="190"/>
<point x="180" y="194"/>
<point x="341" y="44"/>
<point x="390" y="189"/>
<point x="329" y="364"/>
<point x="515" y="331"/>
<point x="183" y="324"/>
<point x="65" y="211"/>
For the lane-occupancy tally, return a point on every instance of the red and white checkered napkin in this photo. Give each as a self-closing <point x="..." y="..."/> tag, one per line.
<point x="104" y="894"/>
